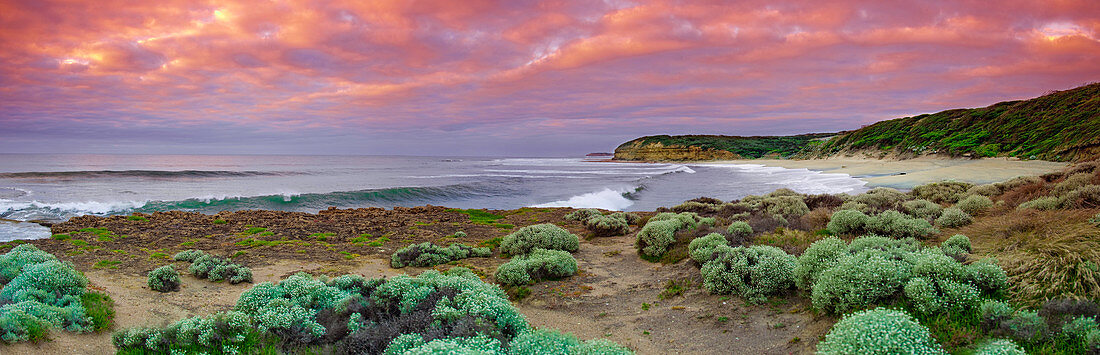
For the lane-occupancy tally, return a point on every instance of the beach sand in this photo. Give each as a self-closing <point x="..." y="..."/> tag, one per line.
<point x="905" y="174"/>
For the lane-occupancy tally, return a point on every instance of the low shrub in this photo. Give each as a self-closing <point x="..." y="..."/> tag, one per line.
<point x="1042" y="203"/>
<point x="941" y="192"/>
<point x="164" y="279"/>
<point x="703" y="249"/>
<point x="784" y="206"/>
<point x="427" y="254"/>
<point x="868" y="277"/>
<point x="922" y="209"/>
<point x="820" y="256"/>
<point x="953" y="217"/>
<point x="958" y="246"/>
<point x="898" y="225"/>
<point x="879" y="331"/>
<point x="740" y="230"/>
<point x="1080" y="327"/>
<point x="606" y="226"/>
<point x="754" y="273"/>
<point x="826" y="201"/>
<point x="538" y="265"/>
<point x="999" y="347"/>
<point x="660" y="232"/>
<point x="1059" y="312"/>
<point x="39" y="292"/>
<point x="630" y="218"/>
<point x="987" y="190"/>
<point x="847" y="222"/>
<point x="697" y="207"/>
<point x="543" y="341"/>
<point x="881" y="199"/>
<point x="582" y="215"/>
<point x="1070" y="183"/>
<point x="206" y="266"/>
<point x="1026" y="326"/>
<point x="1095" y="220"/>
<point x="1083" y="197"/>
<point x="541" y="236"/>
<point x="974" y="204"/>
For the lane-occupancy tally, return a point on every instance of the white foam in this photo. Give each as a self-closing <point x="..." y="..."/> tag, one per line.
<point x="607" y="199"/>
<point x="84" y="207"/>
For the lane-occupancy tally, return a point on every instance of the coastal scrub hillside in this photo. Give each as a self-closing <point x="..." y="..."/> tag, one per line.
<point x="1059" y="126"/>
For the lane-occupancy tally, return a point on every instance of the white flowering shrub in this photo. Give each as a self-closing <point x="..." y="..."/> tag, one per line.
<point x="847" y="222"/>
<point x="215" y="268"/>
<point x="164" y="279"/>
<point x="999" y="347"/>
<point x="820" y="256"/>
<point x="1080" y="327"/>
<point x="898" y="225"/>
<point x="754" y="273"/>
<point x="988" y="277"/>
<point x="655" y="237"/>
<point x="702" y="249"/>
<point x="226" y="332"/>
<point x="878" y="331"/>
<point x="582" y="215"/>
<point x="610" y="225"/>
<point x="427" y="254"/>
<point x="188" y="255"/>
<point x="543" y="236"/>
<point x="922" y="209"/>
<point x="974" y="204"/>
<point x="40" y="292"/>
<point x="896" y="248"/>
<point x="958" y="246"/>
<point x="538" y="265"/>
<point x="860" y="280"/>
<point x="552" y="342"/>
<point x="954" y="217"/>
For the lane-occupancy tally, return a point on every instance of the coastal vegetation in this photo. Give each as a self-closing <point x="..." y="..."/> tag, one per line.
<point x="1059" y="126"/>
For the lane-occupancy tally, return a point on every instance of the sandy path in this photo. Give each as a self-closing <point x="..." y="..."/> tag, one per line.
<point x="917" y="171"/>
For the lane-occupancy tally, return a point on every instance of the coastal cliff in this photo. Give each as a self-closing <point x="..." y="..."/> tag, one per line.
<point x="1060" y="126"/>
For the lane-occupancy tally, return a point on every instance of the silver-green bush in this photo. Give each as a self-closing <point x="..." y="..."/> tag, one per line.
<point x="847" y="222"/>
<point x="954" y="217"/>
<point x="941" y="192"/>
<point x="878" y="331"/>
<point x="427" y="254"/>
<point x="1042" y="203"/>
<point x="702" y="249"/>
<point x="922" y="209"/>
<point x="974" y="204"/>
<point x="881" y="198"/>
<point x="552" y="342"/>
<point x="542" y="236"/>
<point x="820" y="256"/>
<point x="754" y="273"/>
<point x="582" y="215"/>
<point x="999" y="347"/>
<point x="40" y="292"/>
<point x="987" y="190"/>
<point x="164" y="279"/>
<point x="216" y="268"/>
<point x="660" y="232"/>
<point x="537" y="265"/>
<point x="870" y="276"/>
<point x="610" y="225"/>
<point x="898" y="225"/>
<point x="739" y="229"/>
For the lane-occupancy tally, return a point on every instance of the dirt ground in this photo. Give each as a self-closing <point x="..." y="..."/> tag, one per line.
<point x="616" y="295"/>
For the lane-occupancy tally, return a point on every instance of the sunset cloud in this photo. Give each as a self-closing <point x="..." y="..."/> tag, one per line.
<point x="508" y="77"/>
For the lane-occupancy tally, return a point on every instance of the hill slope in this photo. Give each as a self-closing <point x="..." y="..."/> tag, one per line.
<point x="1060" y="126"/>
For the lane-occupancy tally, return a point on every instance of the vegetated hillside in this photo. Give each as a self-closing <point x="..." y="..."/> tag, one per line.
<point x="1060" y="126"/>
<point x="710" y="147"/>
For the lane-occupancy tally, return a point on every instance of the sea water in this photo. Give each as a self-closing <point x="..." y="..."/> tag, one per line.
<point x="58" y="187"/>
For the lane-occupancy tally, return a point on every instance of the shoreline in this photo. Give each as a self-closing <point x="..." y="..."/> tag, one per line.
<point x="905" y="174"/>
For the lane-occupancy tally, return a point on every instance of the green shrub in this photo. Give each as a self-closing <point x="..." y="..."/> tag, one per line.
<point x="460" y="234"/>
<point x="227" y="333"/>
<point x="1070" y="183"/>
<point x="1042" y="203"/>
<point x="427" y="254"/>
<point x="881" y="198"/>
<point x="538" y="265"/>
<point x="974" y="204"/>
<point x="739" y="229"/>
<point x="878" y="331"/>
<point x="987" y="190"/>
<point x="1080" y="327"/>
<point x="702" y="249"/>
<point x="847" y="222"/>
<point x="993" y="313"/>
<point x="40" y="292"/>
<point x="552" y="342"/>
<point x="12" y="262"/>
<point x="656" y="236"/>
<point x="999" y="347"/>
<point x="1026" y="326"/>
<point x="630" y="218"/>
<point x="542" y="236"/>
<point x="688" y="220"/>
<point x="922" y="209"/>
<point x="820" y="256"/>
<point x="857" y="206"/>
<point x="1095" y="220"/>
<point x="606" y="226"/>
<point x="1018" y="182"/>
<point x="869" y="276"/>
<point x="941" y="192"/>
<point x="206" y="266"/>
<point x="100" y="307"/>
<point x="1086" y="196"/>
<point x="954" y="217"/>
<point x="898" y="225"/>
<point x="582" y="215"/>
<point x="958" y="246"/>
<point x="785" y="206"/>
<point x="164" y="279"/>
<point x="754" y="273"/>
<point x="988" y="277"/>
<point x="697" y="207"/>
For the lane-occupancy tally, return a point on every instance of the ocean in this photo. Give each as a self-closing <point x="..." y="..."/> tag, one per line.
<point x="58" y="187"/>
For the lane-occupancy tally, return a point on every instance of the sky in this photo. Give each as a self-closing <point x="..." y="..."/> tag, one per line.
<point x="511" y="78"/>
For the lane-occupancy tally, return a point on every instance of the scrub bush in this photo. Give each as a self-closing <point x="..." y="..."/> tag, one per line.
<point x="941" y="192"/>
<point x="1080" y="327"/>
<point x="1042" y="203"/>
<point x="428" y="254"/>
<point x="552" y="342"/>
<point x="785" y="206"/>
<point x="206" y="266"/>
<point x="538" y="265"/>
<point x="739" y="230"/>
<point x="753" y="273"/>
<point x="660" y="232"/>
<point x="697" y="207"/>
<point x="999" y="347"/>
<point x="820" y="256"/>
<point x="630" y="218"/>
<point x="879" y="331"/>
<point x="702" y="249"/>
<point x="847" y="222"/>
<point x="987" y="190"/>
<point x="988" y="277"/>
<point x="12" y="262"/>
<point x="958" y="246"/>
<point x="542" y="236"/>
<point x="898" y="225"/>
<point x="1026" y="326"/>
<point x="164" y="279"/>
<point x="865" y="278"/>
<point x="922" y="209"/>
<point x="953" y="217"/>
<point x="975" y="204"/>
<point x="881" y="199"/>
<point x="582" y="215"/>
<point x="40" y="292"/>
<point x="687" y="219"/>
<point x="606" y="226"/>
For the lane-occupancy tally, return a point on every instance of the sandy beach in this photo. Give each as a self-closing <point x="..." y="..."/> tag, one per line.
<point x="905" y="174"/>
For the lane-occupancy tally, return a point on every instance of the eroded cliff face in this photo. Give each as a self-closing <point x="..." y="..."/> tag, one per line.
<point x="636" y="151"/>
